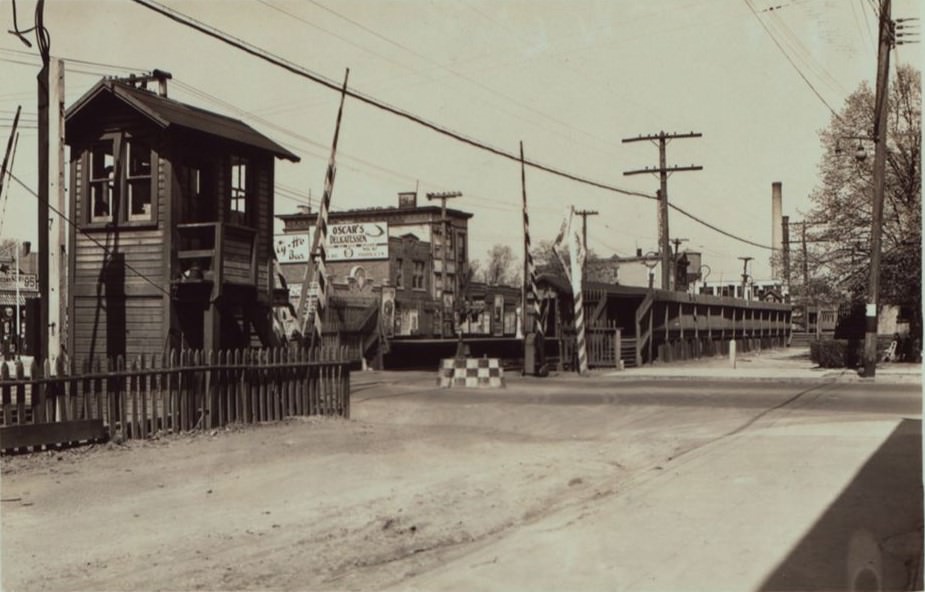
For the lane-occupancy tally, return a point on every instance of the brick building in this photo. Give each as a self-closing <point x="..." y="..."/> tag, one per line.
<point x="399" y="249"/>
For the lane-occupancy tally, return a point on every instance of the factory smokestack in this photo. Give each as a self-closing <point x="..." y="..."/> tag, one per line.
<point x="777" y="230"/>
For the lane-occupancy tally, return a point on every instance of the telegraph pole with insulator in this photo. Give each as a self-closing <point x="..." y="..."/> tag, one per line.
<point x="663" y="171"/>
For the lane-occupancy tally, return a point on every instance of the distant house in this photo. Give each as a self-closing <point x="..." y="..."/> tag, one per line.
<point x="172" y="242"/>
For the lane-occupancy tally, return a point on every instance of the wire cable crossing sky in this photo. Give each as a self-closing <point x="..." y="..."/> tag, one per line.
<point x="759" y="78"/>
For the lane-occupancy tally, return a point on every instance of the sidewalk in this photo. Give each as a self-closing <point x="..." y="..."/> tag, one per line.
<point x="775" y="364"/>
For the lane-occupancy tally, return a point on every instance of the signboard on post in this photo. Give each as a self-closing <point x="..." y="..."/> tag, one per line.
<point x="362" y="240"/>
<point x="28" y="282"/>
<point x="292" y="248"/>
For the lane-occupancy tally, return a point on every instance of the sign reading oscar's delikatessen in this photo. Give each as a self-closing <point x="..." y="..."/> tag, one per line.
<point x="365" y="240"/>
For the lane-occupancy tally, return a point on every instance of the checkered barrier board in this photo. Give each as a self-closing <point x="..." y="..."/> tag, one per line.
<point x="471" y="373"/>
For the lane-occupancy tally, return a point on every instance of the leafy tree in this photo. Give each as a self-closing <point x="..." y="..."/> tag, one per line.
<point x="502" y="267"/>
<point x="838" y="225"/>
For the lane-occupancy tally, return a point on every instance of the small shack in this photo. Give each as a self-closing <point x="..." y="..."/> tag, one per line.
<point x="172" y="238"/>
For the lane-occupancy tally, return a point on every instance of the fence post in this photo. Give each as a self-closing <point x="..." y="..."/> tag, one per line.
<point x="6" y="394"/>
<point x="38" y="399"/>
<point x="618" y="348"/>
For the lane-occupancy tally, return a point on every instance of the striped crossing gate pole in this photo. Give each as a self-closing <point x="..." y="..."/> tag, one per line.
<point x="577" y="255"/>
<point x="532" y="294"/>
<point x="577" y="252"/>
<point x="319" y="240"/>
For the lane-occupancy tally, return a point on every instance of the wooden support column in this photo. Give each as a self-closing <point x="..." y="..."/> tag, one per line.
<point x="681" y="319"/>
<point x="709" y="322"/>
<point x="667" y="318"/>
<point x="212" y="327"/>
<point x="696" y="322"/>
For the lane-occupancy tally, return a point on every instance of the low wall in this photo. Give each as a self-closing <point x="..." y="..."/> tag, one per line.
<point x="471" y="373"/>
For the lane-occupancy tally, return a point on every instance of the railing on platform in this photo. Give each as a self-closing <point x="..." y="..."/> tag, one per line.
<point x="218" y="252"/>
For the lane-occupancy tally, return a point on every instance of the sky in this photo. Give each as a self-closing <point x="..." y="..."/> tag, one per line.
<point x="569" y="79"/>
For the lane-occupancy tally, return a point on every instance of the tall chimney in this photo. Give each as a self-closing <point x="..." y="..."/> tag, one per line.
<point x="777" y="230"/>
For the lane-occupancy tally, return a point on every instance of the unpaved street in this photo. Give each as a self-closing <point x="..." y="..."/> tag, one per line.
<point x="421" y="489"/>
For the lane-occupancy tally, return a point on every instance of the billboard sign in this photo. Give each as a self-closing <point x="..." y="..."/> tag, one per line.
<point x="356" y="241"/>
<point x="28" y="282"/>
<point x="292" y="248"/>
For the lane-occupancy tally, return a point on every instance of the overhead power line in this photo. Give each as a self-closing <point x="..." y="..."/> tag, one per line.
<point x="303" y="72"/>
<point x="327" y="82"/>
<point x="89" y="236"/>
<point x="789" y="59"/>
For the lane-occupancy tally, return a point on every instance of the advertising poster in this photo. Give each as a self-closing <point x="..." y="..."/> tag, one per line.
<point x="352" y="242"/>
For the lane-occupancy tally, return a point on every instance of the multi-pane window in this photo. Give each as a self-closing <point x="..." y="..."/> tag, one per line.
<point x="102" y="181"/>
<point x="138" y="180"/>
<point x="120" y="180"/>
<point x="238" y="203"/>
<point x="398" y="273"/>
<point x="417" y="275"/>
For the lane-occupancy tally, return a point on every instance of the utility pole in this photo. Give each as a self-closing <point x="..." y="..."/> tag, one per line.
<point x="785" y="252"/>
<point x="663" y="170"/>
<point x="881" y="107"/>
<point x="57" y="244"/>
<point x="677" y="245"/>
<point x="584" y="231"/>
<point x="745" y="261"/>
<point x="444" y="222"/>
<point x="41" y="353"/>
<point x="584" y="225"/>
<point x="805" y="256"/>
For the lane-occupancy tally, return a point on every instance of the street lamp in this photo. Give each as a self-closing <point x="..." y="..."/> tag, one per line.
<point x="860" y="153"/>
<point x="745" y="276"/>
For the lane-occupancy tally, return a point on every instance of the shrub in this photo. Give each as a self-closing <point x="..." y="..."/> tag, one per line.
<point x="836" y="353"/>
<point x="843" y="353"/>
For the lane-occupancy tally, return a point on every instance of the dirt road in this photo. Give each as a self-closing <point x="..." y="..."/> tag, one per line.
<point x="418" y="478"/>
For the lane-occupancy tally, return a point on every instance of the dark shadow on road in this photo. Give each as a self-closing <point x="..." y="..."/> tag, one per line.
<point x="870" y="537"/>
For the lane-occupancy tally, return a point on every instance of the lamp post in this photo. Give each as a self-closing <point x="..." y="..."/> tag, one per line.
<point x="745" y="261"/>
<point x="876" y="225"/>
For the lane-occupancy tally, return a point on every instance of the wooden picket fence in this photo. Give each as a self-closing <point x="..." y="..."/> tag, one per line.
<point x="604" y="344"/>
<point x="69" y="401"/>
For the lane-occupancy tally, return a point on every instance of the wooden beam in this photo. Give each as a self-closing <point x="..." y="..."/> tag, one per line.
<point x="16" y="436"/>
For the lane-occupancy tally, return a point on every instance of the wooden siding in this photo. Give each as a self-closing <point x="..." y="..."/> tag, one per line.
<point x="236" y="263"/>
<point x="107" y="325"/>
<point x="264" y="223"/>
<point x="121" y="269"/>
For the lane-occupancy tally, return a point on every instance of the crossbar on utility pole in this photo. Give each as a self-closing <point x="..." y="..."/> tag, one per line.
<point x="584" y="225"/>
<point x="663" y="171"/>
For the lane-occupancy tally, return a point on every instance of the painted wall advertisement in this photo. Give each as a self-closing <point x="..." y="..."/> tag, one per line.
<point x="367" y="240"/>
